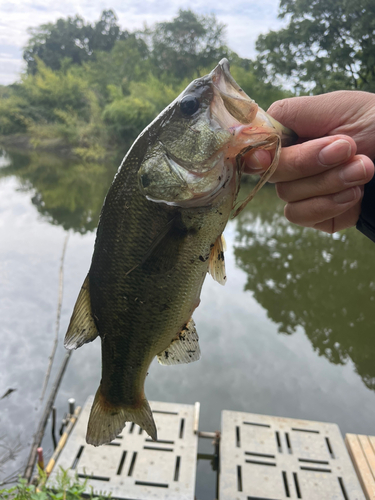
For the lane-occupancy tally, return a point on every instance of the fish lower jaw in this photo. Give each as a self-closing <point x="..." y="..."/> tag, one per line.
<point x="199" y="191"/>
<point x="247" y="137"/>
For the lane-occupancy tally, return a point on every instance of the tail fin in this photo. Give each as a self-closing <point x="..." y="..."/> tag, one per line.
<point x="107" y="421"/>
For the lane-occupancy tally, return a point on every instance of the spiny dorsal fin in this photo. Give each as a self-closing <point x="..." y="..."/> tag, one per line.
<point x="81" y="328"/>
<point x="184" y="349"/>
<point x="217" y="263"/>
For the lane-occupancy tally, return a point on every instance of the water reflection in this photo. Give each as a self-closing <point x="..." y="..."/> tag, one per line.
<point x="300" y="276"/>
<point x="65" y="192"/>
<point x="245" y="365"/>
<point x="305" y="278"/>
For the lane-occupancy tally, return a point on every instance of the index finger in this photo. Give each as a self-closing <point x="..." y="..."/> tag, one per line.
<point x="305" y="159"/>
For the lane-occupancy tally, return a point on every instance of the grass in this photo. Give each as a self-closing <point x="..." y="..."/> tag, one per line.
<point x="65" y="488"/>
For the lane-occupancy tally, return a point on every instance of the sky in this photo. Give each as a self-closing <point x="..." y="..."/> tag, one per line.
<point x="245" y="20"/>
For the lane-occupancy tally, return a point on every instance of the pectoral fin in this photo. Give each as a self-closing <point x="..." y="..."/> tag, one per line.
<point x="162" y="255"/>
<point x="82" y="328"/>
<point x="184" y="349"/>
<point x="217" y="263"/>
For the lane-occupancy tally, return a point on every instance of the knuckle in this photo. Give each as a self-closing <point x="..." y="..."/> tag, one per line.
<point x="305" y="158"/>
<point x="325" y="184"/>
<point x="318" y="208"/>
<point x="308" y="212"/>
<point x="278" y="109"/>
<point x="287" y="111"/>
<point x="300" y="161"/>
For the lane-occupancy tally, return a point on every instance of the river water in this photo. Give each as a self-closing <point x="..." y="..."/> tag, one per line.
<point x="292" y="333"/>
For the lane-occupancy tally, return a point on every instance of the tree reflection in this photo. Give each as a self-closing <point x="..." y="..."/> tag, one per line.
<point x="66" y="192"/>
<point x="302" y="277"/>
<point x="323" y="283"/>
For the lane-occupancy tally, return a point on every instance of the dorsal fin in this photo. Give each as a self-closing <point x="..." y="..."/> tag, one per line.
<point x="183" y="349"/>
<point x="217" y="263"/>
<point x="82" y="328"/>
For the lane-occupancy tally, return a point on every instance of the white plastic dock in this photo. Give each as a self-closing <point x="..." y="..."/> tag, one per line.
<point x="273" y="458"/>
<point x="260" y="458"/>
<point x="133" y="467"/>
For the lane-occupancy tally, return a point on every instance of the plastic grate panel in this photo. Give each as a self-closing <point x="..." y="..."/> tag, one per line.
<point x="133" y="467"/>
<point x="273" y="458"/>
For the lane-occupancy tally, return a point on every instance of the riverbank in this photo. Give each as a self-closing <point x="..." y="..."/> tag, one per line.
<point x="24" y="143"/>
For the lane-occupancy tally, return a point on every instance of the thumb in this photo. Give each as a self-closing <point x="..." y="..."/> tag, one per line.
<point x="257" y="162"/>
<point x="309" y="116"/>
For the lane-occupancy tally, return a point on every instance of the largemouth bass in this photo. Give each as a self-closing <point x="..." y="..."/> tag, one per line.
<point x="159" y="233"/>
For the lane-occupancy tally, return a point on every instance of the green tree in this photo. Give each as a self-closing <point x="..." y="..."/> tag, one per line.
<point x="327" y="45"/>
<point x="90" y="87"/>
<point x="104" y="33"/>
<point x="187" y="44"/>
<point x="71" y="39"/>
<point x="127" y="61"/>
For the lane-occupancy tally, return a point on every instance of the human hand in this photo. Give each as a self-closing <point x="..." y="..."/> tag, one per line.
<point x="322" y="179"/>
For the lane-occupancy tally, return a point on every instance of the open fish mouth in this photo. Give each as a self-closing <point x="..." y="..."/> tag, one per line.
<point x="235" y="100"/>
<point x="243" y="109"/>
<point x="250" y="126"/>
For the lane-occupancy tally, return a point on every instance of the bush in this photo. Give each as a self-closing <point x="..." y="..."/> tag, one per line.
<point x="128" y="116"/>
<point x="12" y="116"/>
<point x="49" y="90"/>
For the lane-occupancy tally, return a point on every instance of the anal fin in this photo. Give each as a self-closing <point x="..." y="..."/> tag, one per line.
<point x="217" y="263"/>
<point x="82" y="328"/>
<point x="184" y="349"/>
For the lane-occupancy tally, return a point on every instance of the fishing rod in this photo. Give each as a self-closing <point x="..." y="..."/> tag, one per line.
<point x="43" y="421"/>
<point x="51" y="399"/>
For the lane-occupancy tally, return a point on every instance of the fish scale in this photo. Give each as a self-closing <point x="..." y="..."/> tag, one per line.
<point x="159" y="233"/>
<point x="158" y="305"/>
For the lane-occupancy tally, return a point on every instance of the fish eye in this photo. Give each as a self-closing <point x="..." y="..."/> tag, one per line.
<point x="189" y="105"/>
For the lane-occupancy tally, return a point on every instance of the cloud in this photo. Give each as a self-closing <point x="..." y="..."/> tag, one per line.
<point x="245" y="20"/>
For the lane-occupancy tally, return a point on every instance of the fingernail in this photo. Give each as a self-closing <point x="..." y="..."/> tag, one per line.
<point x="336" y="152"/>
<point x="354" y="172"/>
<point x="347" y="195"/>
<point x="254" y="163"/>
